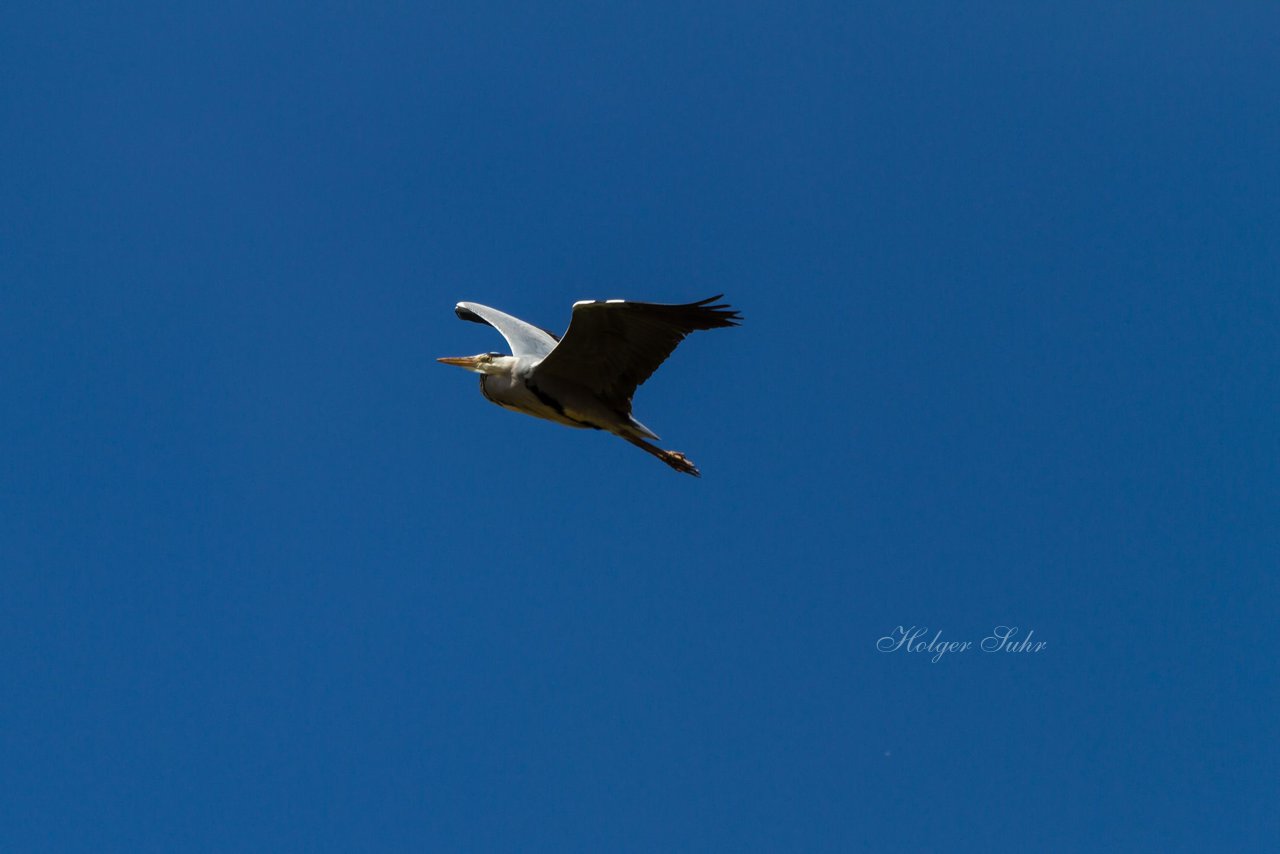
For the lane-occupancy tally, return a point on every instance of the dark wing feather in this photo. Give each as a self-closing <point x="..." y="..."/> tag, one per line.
<point x="613" y="347"/>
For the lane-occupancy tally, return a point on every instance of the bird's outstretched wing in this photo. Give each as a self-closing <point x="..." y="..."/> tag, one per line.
<point x="612" y="346"/>
<point x="525" y="339"/>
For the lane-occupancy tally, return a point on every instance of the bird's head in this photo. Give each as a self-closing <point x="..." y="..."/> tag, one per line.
<point x="485" y="363"/>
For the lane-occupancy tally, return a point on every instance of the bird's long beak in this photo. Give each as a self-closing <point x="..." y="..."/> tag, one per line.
<point x="460" y="361"/>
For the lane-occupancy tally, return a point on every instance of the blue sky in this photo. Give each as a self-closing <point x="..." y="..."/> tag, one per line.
<point x="275" y="580"/>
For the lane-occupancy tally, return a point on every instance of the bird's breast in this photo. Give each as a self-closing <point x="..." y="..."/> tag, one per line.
<point x="521" y="396"/>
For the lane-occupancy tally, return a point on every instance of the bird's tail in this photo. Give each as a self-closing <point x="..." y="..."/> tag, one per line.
<point x="643" y="430"/>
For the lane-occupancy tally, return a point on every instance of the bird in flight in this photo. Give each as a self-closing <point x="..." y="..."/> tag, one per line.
<point x="587" y="378"/>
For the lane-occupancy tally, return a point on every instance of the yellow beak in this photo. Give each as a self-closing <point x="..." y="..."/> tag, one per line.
<point x="460" y="361"/>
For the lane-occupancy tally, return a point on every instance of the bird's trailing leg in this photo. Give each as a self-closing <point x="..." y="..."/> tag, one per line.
<point x="675" y="459"/>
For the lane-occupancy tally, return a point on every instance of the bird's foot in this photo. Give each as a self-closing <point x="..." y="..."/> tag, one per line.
<point x="680" y="462"/>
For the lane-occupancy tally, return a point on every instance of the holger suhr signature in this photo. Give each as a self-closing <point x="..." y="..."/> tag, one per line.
<point x="916" y="639"/>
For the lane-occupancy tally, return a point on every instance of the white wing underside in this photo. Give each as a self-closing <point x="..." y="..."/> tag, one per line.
<point x="525" y="339"/>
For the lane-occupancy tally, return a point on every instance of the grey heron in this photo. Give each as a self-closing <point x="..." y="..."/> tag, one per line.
<point x="587" y="378"/>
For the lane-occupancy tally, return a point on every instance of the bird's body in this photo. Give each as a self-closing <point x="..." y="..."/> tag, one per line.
<point x="565" y="403"/>
<point x="587" y="379"/>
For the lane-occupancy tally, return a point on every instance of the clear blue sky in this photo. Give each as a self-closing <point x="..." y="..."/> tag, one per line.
<point x="272" y="579"/>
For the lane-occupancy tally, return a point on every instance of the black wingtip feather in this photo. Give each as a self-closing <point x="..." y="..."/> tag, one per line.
<point x="468" y="314"/>
<point x="716" y="315"/>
